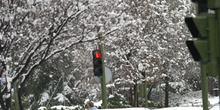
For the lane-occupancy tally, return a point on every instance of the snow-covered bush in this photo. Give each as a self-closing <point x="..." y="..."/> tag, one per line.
<point x="154" y="104"/>
<point x="117" y="101"/>
<point x="177" y="87"/>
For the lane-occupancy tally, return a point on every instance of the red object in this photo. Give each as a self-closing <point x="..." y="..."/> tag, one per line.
<point x="98" y="54"/>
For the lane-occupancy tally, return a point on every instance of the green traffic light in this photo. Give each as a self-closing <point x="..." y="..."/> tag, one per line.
<point x="197" y="26"/>
<point x="205" y="48"/>
<point x="198" y="50"/>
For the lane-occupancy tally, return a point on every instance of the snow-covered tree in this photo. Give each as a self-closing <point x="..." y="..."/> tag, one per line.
<point x="153" y="43"/>
<point x="33" y="31"/>
<point x="138" y="36"/>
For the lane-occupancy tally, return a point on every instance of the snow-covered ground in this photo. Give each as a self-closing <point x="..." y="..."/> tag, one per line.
<point x="214" y="103"/>
<point x="189" y="101"/>
<point x="171" y="108"/>
<point x="194" y="99"/>
<point x="186" y="103"/>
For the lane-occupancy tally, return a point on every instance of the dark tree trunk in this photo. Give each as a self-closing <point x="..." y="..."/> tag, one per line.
<point x="135" y="96"/>
<point x="166" y="92"/>
<point x="131" y="98"/>
<point x="2" y="102"/>
<point x="19" y="100"/>
<point x="8" y="100"/>
<point x="150" y="90"/>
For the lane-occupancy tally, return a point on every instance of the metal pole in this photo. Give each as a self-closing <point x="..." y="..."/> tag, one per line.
<point x="204" y="87"/>
<point x="219" y="89"/>
<point x="103" y="81"/>
<point x="218" y="20"/>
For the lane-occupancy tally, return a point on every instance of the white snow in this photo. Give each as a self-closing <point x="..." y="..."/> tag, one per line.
<point x="1" y="36"/>
<point x="42" y="108"/>
<point x="60" y="97"/>
<point x="172" y="108"/>
<point x="45" y="97"/>
<point x="186" y="102"/>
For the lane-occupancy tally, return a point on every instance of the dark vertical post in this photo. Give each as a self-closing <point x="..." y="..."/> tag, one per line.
<point x="166" y="92"/>
<point x="204" y="87"/>
<point x="103" y="81"/>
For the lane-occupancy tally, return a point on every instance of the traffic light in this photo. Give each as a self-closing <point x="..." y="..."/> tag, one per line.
<point x="205" y="48"/>
<point x="202" y="5"/>
<point x="198" y="48"/>
<point x="97" y="62"/>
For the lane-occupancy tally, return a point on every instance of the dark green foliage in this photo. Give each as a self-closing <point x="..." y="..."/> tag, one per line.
<point x="157" y="105"/>
<point x="25" y="103"/>
<point x="117" y="102"/>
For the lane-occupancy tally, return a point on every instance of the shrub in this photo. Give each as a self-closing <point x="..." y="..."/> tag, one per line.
<point x="117" y="101"/>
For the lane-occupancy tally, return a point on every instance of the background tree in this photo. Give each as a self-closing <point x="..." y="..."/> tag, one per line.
<point x="34" y="31"/>
<point x="154" y="42"/>
<point x="49" y="43"/>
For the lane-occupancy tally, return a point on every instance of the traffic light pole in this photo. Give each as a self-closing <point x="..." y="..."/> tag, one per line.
<point x="204" y="87"/>
<point x="218" y="20"/>
<point x="103" y="80"/>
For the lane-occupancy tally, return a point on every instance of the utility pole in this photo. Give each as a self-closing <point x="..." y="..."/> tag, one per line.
<point x="204" y="87"/>
<point x="217" y="12"/>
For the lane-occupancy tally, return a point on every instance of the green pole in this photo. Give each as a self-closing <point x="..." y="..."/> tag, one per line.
<point x="203" y="78"/>
<point x="218" y="20"/>
<point x="103" y="81"/>
<point x="219" y="88"/>
<point x="204" y="87"/>
<point x="145" y="92"/>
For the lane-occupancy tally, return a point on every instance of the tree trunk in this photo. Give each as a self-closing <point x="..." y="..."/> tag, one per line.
<point x="150" y="90"/>
<point x="19" y="99"/>
<point x="166" y="92"/>
<point x="135" y="96"/>
<point x="8" y="100"/>
<point x="2" y="102"/>
<point x="131" y="97"/>
<point x="16" y="95"/>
